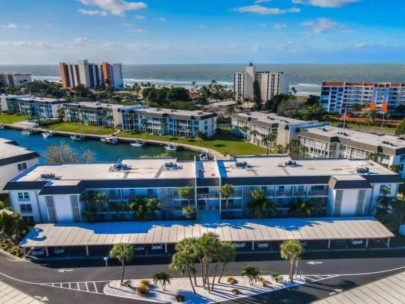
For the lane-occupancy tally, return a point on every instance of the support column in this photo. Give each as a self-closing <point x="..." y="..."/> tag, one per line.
<point x="388" y="242"/>
<point x="47" y="251"/>
<point x="329" y="241"/>
<point x="166" y="248"/>
<point x="367" y="243"/>
<point x="87" y="250"/>
<point x="253" y="245"/>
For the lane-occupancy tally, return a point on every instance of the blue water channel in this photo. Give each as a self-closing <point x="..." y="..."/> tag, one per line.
<point x="102" y="152"/>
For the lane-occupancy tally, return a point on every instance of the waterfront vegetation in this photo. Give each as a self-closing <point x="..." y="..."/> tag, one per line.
<point x="77" y="127"/>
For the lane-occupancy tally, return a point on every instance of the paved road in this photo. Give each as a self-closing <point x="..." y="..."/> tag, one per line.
<point x="84" y="281"/>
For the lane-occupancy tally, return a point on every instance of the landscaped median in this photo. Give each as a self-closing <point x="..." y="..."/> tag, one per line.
<point x="179" y="289"/>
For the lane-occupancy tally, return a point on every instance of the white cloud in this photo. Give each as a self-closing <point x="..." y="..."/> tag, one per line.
<point x="80" y="41"/>
<point x="162" y="19"/>
<point x="261" y="1"/>
<point x="321" y="25"/>
<point x="115" y="7"/>
<point x="139" y="31"/>
<point x="10" y="26"/>
<point x="262" y="10"/>
<point x="92" y="13"/>
<point x="279" y="26"/>
<point x="325" y="3"/>
<point x="139" y="17"/>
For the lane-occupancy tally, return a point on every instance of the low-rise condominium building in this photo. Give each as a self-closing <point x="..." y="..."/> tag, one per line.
<point x="254" y="126"/>
<point x="169" y="121"/>
<point x="332" y="187"/>
<point x="333" y="142"/>
<point x="270" y="83"/>
<point x="380" y="96"/>
<point x="14" y="160"/>
<point x="32" y="106"/>
<point x="91" y="75"/>
<point x="14" y="79"/>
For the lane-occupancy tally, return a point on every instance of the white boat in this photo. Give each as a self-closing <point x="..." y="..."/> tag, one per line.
<point x="1" y="126"/>
<point x="110" y="140"/>
<point x="26" y="132"/>
<point x="203" y="156"/>
<point x="171" y="147"/>
<point x="47" y="134"/>
<point x="138" y="144"/>
<point x="78" y="137"/>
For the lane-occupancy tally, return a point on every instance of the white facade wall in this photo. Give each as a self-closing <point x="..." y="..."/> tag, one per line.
<point x="117" y="76"/>
<point x="33" y="201"/>
<point x="10" y="171"/>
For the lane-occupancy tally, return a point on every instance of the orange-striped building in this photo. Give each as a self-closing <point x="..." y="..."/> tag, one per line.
<point x="380" y="96"/>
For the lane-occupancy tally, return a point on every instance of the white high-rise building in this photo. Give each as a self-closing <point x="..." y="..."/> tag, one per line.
<point x="270" y="83"/>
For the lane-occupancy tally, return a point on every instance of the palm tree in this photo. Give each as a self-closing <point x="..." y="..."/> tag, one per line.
<point x="357" y="107"/>
<point x="200" y="135"/>
<point x="191" y="248"/>
<point x="190" y="212"/>
<point x="259" y="205"/>
<point x="254" y="133"/>
<point x="163" y="126"/>
<point x="226" y="255"/>
<point x="181" y="262"/>
<point x="373" y="115"/>
<point x="388" y="116"/>
<point x="291" y="250"/>
<point x="187" y="193"/>
<point x="162" y="277"/>
<point x="226" y="192"/>
<point x="300" y="208"/>
<point x="251" y="272"/>
<point x="245" y="130"/>
<point x="144" y="123"/>
<point x="123" y="253"/>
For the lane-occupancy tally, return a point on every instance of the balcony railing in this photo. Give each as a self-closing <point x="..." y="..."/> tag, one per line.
<point x="282" y="193"/>
<point x="208" y="195"/>
<point x="323" y="192"/>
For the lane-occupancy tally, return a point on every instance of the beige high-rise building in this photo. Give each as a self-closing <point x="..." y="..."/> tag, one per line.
<point x="270" y="83"/>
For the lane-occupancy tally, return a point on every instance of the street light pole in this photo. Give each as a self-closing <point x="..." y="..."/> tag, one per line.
<point x="108" y="275"/>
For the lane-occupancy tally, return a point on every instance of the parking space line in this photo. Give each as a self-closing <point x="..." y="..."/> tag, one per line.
<point x="95" y="287"/>
<point x="87" y="287"/>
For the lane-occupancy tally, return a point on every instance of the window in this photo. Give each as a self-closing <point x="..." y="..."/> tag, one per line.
<point x="28" y="219"/>
<point x="360" y="202"/>
<point x="23" y="196"/>
<point x="22" y="166"/>
<point x="402" y="158"/>
<point x="26" y="208"/>
<point x="338" y="202"/>
<point x="385" y="189"/>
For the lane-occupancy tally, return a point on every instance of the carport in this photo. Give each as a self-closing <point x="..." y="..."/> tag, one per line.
<point x="168" y="233"/>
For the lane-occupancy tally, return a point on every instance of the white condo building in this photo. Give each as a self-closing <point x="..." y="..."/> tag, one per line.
<point x="270" y="83"/>
<point x="14" y="79"/>
<point x="14" y="160"/>
<point x="342" y="96"/>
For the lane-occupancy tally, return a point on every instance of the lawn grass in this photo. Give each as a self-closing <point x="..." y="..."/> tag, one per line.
<point x="11" y="118"/>
<point x="224" y="142"/>
<point x="77" y="127"/>
<point x="367" y="129"/>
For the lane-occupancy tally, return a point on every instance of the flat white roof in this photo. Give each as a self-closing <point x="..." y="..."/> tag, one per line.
<point x="275" y="166"/>
<point x="96" y="105"/>
<point x="271" y="118"/>
<point x="173" y="111"/>
<point x="388" y="141"/>
<point x="81" y="234"/>
<point x="8" y="149"/>
<point x="142" y="168"/>
<point x="389" y="290"/>
<point x="11" y="295"/>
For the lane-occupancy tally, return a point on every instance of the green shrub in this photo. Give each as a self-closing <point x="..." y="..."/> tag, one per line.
<point x="275" y="275"/>
<point x="142" y="290"/>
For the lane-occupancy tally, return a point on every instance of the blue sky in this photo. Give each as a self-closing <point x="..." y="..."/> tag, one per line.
<point x="202" y="31"/>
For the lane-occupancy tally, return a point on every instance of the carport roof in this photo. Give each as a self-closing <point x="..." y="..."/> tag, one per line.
<point x="82" y="234"/>
<point x="387" y="290"/>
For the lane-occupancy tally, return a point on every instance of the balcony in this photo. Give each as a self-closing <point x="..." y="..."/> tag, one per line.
<point x="300" y="193"/>
<point x="283" y="193"/>
<point x="208" y="195"/>
<point x="324" y="192"/>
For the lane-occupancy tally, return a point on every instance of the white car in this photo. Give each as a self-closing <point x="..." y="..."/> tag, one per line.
<point x="139" y="248"/>
<point x="157" y="247"/>
<point x="38" y="251"/>
<point x="240" y="245"/>
<point x="263" y="245"/>
<point x="58" y="251"/>
<point x="357" y="242"/>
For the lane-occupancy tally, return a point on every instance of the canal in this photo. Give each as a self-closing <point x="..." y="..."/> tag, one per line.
<point x="102" y="152"/>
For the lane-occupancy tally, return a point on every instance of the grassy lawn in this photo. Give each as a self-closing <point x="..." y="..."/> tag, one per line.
<point x="224" y="142"/>
<point x="11" y="118"/>
<point x="79" y="128"/>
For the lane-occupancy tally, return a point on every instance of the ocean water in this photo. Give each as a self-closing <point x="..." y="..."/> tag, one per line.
<point x="306" y="78"/>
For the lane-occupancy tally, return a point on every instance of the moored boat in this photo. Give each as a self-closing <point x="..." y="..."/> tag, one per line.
<point x="110" y="140"/>
<point x="171" y="147"/>
<point x="138" y="143"/>
<point x="78" y="137"/>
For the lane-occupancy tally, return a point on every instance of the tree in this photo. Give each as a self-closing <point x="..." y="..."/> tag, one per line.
<point x="291" y="251"/>
<point x="259" y="206"/>
<point x="200" y="135"/>
<point x="274" y="102"/>
<point x="190" y="212"/>
<point x="144" y="123"/>
<point x="145" y="208"/>
<point x="61" y="113"/>
<point x="208" y="246"/>
<point x="226" y="254"/>
<point x="357" y="107"/>
<point x="101" y="199"/>
<point x="257" y="97"/>
<point x="182" y="263"/>
<point x="299" y="208"/>
<point x="268" y="140"/>
<point x="60" y="154"/>
<point x="226" y="192"/>
<point x="293" y="148"/>
<point x="187" y="193"/>
<point x="162" y="277"/>
<point x="123" y="253"/>
<point x="401" y="128"/>
<point x="190" y="247"/>
<point x="373" y="115"/>
<point x="254" y="133"/>
<point x="251" y="272"/>
<point x="11" y="224"/>
<point x="245" y="130"/>
<point x="163" y="126"/>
